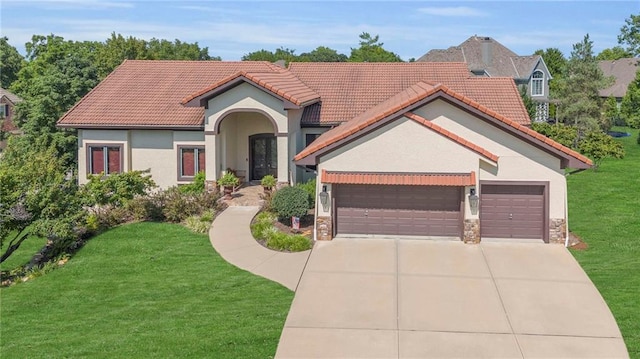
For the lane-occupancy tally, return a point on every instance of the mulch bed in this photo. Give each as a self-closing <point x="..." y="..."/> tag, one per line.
<point x="576" y="242"/>
<point x="306" y="226"/>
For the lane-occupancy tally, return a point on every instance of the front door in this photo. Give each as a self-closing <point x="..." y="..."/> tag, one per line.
<point x="263" y="157"/>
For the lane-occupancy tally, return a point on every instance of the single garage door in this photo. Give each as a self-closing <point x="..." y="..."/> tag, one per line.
<point x="398" y="210"/>
<point x="512" y="211"/>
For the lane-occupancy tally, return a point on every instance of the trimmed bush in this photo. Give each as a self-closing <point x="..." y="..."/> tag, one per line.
<point x="197" y="186"/>
<point x="117" y="188"/>
<point x="290" y="202"/>
<point x="310" y="188"/>
<point x="282" y="241"/>
<point x="177" y="206"/>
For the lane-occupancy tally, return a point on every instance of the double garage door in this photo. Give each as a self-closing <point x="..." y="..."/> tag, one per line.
<point x="512" y="211"/>
<point x="398" y="210"/>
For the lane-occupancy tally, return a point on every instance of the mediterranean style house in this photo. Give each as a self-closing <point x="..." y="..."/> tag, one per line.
<point x="403" y="149"/>
<point x="485" y="56"/>
<point x="7" y="127"/>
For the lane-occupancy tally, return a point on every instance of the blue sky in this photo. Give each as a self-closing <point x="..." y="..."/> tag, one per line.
<point x="409" y="28"/>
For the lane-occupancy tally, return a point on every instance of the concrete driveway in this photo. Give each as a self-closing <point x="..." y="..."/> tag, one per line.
<point x="389" y="298"/>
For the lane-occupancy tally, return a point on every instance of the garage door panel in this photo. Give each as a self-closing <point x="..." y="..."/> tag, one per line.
<point x="398" y="210"/>
<point x="512" y="211"/>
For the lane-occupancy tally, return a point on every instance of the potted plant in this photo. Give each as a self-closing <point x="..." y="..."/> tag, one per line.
<point x="228" y="181"/>
<point x="268" y="182"/>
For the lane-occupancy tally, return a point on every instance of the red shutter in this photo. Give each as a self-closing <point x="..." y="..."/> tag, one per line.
<point x="97" y="160"/>
<point x="188" y="164"/>
<point x="201" y="163"/>
<point x="114" y="159"/>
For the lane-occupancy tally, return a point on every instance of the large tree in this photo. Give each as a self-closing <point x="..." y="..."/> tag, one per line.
<point x="630" y="106"/>
<point x="371" y="50"/>
<point x="578" y="89"/>
<point x="556" y="62"/>
<point x="285" y="54"/>
<point x="630" y="34"/>
<point x="614" y="53"/>
<point x="10" y="63"/>
<point x="322" y="54"/>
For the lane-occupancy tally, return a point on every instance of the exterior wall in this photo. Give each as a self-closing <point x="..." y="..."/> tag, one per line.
<point x="518" y="161"/>
<point x="252" y="109"/>
<point x="156" y="150"/>
<point x="547" y="76"/>
<point x="408" y="147"/>
<point x="305" y="175"/>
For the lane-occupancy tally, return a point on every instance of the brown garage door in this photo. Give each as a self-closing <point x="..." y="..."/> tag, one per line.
<point x="512" y="211"/>
<point x="398" y="210"/>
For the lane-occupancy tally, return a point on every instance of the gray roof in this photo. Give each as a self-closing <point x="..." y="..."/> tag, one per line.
<point x="483" y="53"/>
<point x="13" y="98"/>
<point x="623" y="70"/>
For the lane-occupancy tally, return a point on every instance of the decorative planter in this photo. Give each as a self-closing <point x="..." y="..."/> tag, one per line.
<point x="227" y="192"/>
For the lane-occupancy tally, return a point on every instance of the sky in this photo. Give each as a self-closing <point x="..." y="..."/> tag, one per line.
<point x="231" y="29"/>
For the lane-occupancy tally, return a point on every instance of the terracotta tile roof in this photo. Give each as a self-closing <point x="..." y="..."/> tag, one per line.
<point x="406" y="179"/>
<point x="399" y="105"/>
<point x="452" y="136"/>
<point x="281" y="83"/>
<point x="499" y="62"/>
<point x="349" y="89"/>
<point x="141" y="93"/>
<point x="623" y="72"/>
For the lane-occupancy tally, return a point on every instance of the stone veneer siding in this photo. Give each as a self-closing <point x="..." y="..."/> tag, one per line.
<point x="323" y="229"/>
<point x="471" y="232"/>
<point x="557" y="230"/>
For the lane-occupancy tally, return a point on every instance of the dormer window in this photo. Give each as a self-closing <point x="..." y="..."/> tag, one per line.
<point x="537" y="83"/>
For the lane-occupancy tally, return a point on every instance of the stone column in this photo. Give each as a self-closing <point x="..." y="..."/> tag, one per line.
<point x="323" y="229"/>
<point x="471" y="233"/>
<point x="557" y="230"/>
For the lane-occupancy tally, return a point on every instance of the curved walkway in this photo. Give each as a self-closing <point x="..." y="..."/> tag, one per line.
<point x="230" y="235"/>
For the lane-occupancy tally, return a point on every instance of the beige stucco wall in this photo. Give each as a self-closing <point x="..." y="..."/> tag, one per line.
<point x="518" y="161"/>
<point x="156" y="150"/>
<point x="240" y="111"/>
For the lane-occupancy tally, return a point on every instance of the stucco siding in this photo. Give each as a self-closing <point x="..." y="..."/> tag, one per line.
<point x="89" y="137"/>
<point x="519" y="161"/>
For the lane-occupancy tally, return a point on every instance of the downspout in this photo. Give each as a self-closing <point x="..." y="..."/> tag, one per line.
<point x="566" y="214"/>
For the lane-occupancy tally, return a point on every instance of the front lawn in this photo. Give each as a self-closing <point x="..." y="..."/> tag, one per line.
<point x="152" y="290"/>
<point x="24" y="253"/>
<point x="604" y="210"/>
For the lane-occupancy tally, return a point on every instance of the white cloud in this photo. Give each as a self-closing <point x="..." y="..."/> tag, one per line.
<point x="454" y="11"/>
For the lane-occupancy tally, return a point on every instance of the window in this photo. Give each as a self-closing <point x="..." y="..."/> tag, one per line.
<point x="106" y="159"/>
<point x="191" y="161"/>
<point x="537" y="83"/>
<point x="310" y="137"/>
<point x="4" y="110"/>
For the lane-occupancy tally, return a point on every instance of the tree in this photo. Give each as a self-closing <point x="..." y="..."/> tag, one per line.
<point x="611" y="114"/>
<point x="10" y="63"/>
<point x="630" y="35"/>
<point x="597" y="145"/>
<point x="37" y="197"/>
<point x="556" y="62"/>
<point x="578" y="89"/>
<point x="371" y="50"/>
<point x="630" y="106"/>
<point x="322" y="54"/>
<point x="288" y="55"/>
<point x="529" y="104"/>
<point x="614" y="53"/>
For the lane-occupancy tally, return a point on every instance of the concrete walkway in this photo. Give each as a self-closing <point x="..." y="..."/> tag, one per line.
<point x="389" y="298"/>
<point x="231" y="236"/>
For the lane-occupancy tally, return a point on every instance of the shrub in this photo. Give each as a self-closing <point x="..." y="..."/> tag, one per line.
<point x="177" y="206"/>
<point x="294" y="243"/>
<point x="565" y="135"/>
<point x="198" y="224"/>
<point x="290" y="202"/>
<point x="261" y="224"/>
<point x="268" y="181"/>
<point x="638" y="140"/>
<point x="117" y="188"/>
<point x="196" y="186"/>
<point x="228" y="180"/>
<point x="145" y="208"/>
<point x="597" y="145"/>
<point x="310" y="188"/>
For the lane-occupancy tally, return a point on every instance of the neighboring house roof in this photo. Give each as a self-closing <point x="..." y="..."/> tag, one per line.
<point x="14" y="99"/>
<point x="147" y="93"/>
<point x="623" y="71"/>
<point x="418" y="95"/>
<point x="485" y="54"/>
<point x="151" y="93"/>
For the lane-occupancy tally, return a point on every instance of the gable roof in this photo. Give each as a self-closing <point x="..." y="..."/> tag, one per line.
<point x="14" y="99"/>
<point x="147" y="93"/>
<point x="282" y="84"/>
<point x="623" y="71"/>
<point x="417" y="95"/>
<point x="482" y="53"/>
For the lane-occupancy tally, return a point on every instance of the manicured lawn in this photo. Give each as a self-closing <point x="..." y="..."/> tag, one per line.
<point x="145" y="290"/>
<point x="604" y="210"/>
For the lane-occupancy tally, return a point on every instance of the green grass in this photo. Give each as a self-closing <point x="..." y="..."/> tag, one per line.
<point x="604" y="210"/>
<point x="24" y="253"/>
<point x="144" y="290"/>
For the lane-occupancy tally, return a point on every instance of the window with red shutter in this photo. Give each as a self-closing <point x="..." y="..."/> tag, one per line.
<point x="97" y="160"/>
<point x="113" y="160"/>
<point x="201" y="162"/>
<point x="104" y="159"/>
<point x="188" y="162"/>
